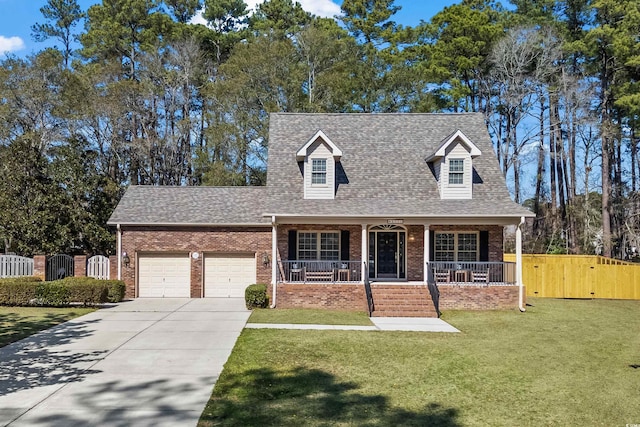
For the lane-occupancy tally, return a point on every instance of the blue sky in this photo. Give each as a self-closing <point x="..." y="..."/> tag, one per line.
<point x="17" y="17"/>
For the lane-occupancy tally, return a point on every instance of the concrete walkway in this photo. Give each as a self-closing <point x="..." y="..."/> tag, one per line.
<point x="416" y="324"/>
<point x="148" y="362"/>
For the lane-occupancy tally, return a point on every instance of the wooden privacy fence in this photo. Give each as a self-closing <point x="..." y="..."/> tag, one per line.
<point x="578" y="276"/>
<point x="15" y="266"/>
<point x="98" y="267"/>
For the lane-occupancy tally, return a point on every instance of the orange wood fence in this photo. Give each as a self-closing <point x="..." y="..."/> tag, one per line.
<point x="579" y="276"/>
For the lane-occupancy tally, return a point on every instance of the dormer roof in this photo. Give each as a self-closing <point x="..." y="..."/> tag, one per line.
<point x="303" y="152"/>
<point x="456" y="136"/>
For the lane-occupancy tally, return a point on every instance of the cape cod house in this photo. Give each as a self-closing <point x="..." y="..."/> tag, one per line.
<point x="395" y="214"/>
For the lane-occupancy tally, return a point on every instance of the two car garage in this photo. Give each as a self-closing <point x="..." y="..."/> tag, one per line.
<point x="169" y="275"/>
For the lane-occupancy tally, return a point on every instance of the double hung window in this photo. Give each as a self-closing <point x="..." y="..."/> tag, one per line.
<point x="319" y="245"/>
<point x="456" y="171"/>
<point x="457" y="247"/>
<point x="319" y="171"/>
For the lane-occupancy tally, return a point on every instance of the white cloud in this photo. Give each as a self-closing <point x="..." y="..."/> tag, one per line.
<point x="323" y="8"/>
<point x="10" y="44"/>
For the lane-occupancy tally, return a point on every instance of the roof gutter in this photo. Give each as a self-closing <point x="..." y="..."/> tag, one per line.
<point x="186" y="224"/>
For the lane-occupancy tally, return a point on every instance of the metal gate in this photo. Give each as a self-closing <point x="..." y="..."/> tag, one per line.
<point x="98" y="267"/>
<point x="59" y="267"/>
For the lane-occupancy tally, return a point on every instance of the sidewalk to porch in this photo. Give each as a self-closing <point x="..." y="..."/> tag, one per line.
<point x="413" y="324"/>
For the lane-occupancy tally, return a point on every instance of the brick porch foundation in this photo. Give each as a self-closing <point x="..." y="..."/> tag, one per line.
<point x="464" y="297"/>
<point x="327" y="296"/>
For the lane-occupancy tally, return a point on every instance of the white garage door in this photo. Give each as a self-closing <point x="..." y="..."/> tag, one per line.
<point x="228" y="275"/>
<point x="166" y="276"/>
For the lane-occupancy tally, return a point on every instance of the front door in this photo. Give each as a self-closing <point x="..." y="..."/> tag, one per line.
<point x="387" y="254"/>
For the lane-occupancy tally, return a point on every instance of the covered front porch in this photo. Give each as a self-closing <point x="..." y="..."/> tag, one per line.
<point x="395" y="267"/>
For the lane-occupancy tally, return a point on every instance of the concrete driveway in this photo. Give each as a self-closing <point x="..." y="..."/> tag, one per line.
<point x="147" y="362"/>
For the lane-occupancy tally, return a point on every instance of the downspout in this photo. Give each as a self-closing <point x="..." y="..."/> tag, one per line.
<point x="274" y="260"/>
<point x="519" y="266"/>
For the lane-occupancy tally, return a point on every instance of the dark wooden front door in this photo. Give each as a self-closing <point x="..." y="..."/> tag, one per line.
<point x="388" y="254"/>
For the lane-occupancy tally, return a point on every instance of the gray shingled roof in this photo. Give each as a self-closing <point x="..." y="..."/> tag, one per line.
<point x="144" y="205"/>
<point x="384" y="166"/>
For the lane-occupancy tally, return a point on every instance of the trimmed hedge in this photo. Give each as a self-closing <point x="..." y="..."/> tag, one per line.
<point x="115" y="288"/>
<point x="19" y="291"/>
<point x="255" y="296"/>
<point x="27" y="291"/>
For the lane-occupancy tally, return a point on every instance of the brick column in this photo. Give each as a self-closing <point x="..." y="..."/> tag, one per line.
<point x="80" y="266"/>
<point x="40" y="266"/>
<point x="113" y="267"/>
<point x="196" y="275"/>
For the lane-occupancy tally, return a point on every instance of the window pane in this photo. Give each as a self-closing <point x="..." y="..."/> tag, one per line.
<point x="329" y="246"/>
<point x="467" y="247"/>
<point x="307" y="246"/>
<point x="444" y="247"/>
<point x="456" y="165"/>
<point x="319" y="165"/>
<point x="456" y="178"/>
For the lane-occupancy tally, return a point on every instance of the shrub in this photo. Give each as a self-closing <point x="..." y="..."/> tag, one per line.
<point x="116" y="289"/>
<point x="255" y="296"/>
<point x="52" y="294"/>
<point x="18" y="291"/>
<point x="25" y="291"/>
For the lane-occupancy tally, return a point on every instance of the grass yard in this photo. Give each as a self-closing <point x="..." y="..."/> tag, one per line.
<point x="310" y="316"/>
<point x="20" y="322"/>
<point x="564" y="362"/>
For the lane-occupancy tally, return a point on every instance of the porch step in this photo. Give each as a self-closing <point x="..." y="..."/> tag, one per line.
<point x="402" y="301"/>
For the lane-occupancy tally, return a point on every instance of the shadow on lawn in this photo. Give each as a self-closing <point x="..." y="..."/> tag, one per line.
<point x="36" y="361"/>
<point x="16" y="327"/>
<point x="309" y="397"/>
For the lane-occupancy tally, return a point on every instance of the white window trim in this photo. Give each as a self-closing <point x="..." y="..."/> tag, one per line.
<point x="318" y="248"/>
<point x="455" y="244"/>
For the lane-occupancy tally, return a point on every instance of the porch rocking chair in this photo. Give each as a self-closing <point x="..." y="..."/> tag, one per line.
<point x="442" y="276"/>
<point x="480" y="276"/>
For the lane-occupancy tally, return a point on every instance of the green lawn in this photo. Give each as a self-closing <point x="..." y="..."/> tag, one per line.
<point x="20" y="322"/>
<point x="564" y="362"/>
<point x="309" y="316"/>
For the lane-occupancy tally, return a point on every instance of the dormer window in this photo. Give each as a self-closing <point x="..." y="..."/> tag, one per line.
<point x="452" y="164"/>
<point x="319" y="172"/>
<point x="456" y="171"/>
<point x="318" y="158"/>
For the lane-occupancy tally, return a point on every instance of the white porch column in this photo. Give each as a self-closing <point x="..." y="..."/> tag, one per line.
<point x="427" y="245"/>
<point x="274" y="254"/>
<point x="365" y="257"/>
<point x="119" y="251"/>
<point x="519" y="264"/>
<point x="274" y="260"/>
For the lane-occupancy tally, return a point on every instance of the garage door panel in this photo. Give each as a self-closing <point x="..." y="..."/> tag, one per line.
<point x="228" y="275"/>
<point x="164" y="276"/>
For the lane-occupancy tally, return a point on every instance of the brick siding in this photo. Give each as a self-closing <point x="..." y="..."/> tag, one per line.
<point x="328" y="296"/>
<point x="137" y="241"/>
<point x="469" y="297"/>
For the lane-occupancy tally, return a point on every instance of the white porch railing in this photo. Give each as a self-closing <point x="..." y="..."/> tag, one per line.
<point x="487" y="273"/>
<point x="15" y="266"/>
<point x="319" y="271"/>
